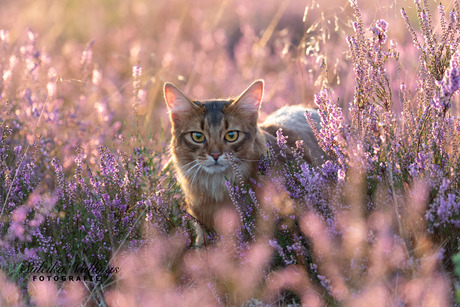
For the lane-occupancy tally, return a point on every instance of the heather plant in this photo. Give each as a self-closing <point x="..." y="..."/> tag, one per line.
<point x="51" y="215"/>
<point x="401" y="147"/>
<point x="92" y="217"/>
<point x="24" y="108"/>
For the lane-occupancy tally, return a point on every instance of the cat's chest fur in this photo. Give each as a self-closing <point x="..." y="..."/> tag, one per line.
<point x="213" y="186"/>
<point x="208" y="187"/>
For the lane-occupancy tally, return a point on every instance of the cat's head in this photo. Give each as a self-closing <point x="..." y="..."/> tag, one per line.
<point x="206" y="131"/>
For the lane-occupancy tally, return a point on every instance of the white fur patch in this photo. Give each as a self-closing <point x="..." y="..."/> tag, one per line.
<point x="203" y="179"/>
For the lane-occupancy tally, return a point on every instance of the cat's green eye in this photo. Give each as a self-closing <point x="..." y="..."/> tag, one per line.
<point x="231" y="136"/>
<point x="198" y="137"/>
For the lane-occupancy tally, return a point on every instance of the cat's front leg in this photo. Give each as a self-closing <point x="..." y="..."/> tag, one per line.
<point x="200" y="235"/>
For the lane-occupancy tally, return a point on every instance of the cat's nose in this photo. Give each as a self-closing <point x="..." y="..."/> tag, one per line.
<point x="215" y="154"/>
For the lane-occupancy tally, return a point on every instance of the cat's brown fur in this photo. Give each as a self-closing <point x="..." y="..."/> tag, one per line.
<point x="203" y="168"/>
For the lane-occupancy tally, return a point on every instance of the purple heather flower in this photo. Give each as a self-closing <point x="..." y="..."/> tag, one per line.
<point x="17" y="150"/>
<point x="453" y="16"/>
<point x="281" y="141"/>
<point x="380" y="30"/>
<point x="137" y="71"/>
<point x="299" y="151"/>
<point x="109" y="165"/>
<point x="355" y="26"/>
<point x="87" y="55"/>
<point x="329" y="169"/>
<point x="382" y="25"/>
<point x="61" y="187"/>
<point x="420" y="164"/>
<point x="450" y="83"/>
<point x="325" y="282"/>
<point x="352" y="44"/>
<point x="341" y="174"/>
<point x="331" y="132"/>
<point x="447" y="207"/>
<point x="106" y="198"/>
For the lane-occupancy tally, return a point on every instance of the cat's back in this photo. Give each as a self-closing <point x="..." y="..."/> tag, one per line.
<point x="294" y="124"/>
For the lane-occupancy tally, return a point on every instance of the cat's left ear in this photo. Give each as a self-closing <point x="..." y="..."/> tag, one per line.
<point x="178" y="103"/>
<point x="250" y="100"/>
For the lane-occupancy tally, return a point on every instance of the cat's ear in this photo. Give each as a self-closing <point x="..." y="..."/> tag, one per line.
<point x="250" y="100"/>
<point x="176" y="101"/>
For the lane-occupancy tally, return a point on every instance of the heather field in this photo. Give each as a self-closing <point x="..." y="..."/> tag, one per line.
<point x="91" y="212"/>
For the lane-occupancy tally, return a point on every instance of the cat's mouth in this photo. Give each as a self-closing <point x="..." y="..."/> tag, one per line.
<point x="215" y="168"/>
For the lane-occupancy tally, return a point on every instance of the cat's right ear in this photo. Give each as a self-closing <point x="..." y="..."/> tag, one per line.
<point x="249" y="101"/>
<point x="178" y="104"/>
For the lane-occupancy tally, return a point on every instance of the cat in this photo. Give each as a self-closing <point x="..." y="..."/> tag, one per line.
<point x="208" y="136"/>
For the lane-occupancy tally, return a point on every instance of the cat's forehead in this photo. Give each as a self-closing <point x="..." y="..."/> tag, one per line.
<point x="214" y="110"/>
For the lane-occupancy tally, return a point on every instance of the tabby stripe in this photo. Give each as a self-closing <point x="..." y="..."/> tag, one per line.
<point x="240" y="144"/>
<point x="183" y="140"/>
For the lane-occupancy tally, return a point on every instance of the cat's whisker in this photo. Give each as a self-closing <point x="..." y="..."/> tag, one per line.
<point x="191" y="168"/>
<point x="185" y="173"/>
<point x="186" y="165"/>
<point x="193" y="175"/>
<point x="196" y="173"/>
<point x="188" y="171"/>
<point x="241" y="160"/>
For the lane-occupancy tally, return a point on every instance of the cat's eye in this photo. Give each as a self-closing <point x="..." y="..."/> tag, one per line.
<point x="198" y="137"/>
<point x="231" y="136"/>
